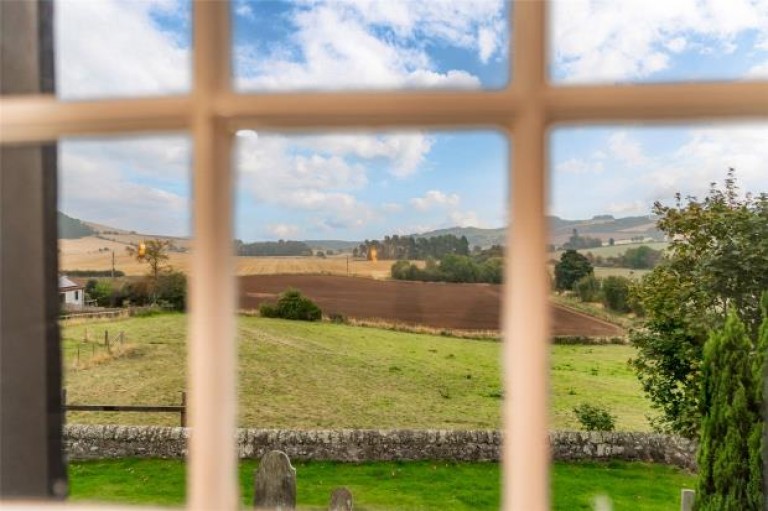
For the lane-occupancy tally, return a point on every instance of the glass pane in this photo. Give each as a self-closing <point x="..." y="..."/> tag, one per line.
<point x="638" y="42"/>
<point x="124" y="252"/>
<point x="397" y="237"/>
<point x="377" y="44"/>
<point x="656" y="234"/>
<point x="115" y="48"/>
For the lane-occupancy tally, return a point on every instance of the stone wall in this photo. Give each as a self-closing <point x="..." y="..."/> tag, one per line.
<point x="96" y="442"/>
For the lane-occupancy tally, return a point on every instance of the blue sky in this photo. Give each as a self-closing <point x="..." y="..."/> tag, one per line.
<point x="365" y="185"/>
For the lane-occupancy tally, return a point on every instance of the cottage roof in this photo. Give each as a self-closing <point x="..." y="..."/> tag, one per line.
<point x="65" y="284"/>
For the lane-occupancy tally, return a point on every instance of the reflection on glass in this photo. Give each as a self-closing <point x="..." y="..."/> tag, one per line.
<point x="399" y="44"/>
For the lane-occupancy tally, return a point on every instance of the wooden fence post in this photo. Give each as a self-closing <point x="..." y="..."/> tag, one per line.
<point x="183" y="409"/>
<point x="275" y="483"/>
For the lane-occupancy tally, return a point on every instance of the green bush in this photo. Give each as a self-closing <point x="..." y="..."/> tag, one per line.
<point x="292" y="305"/>
<point x="616" y="293"/>
<point x="594" y="418"/>
<point x="172" y="289"/>
<point x="588" y="288"/>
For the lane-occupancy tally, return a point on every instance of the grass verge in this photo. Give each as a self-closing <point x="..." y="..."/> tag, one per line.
<point x="393" y="485"/>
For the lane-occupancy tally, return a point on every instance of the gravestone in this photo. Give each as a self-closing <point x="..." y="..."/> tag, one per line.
<point x="687" y="499"/>
<point x="341" y="500"/>
<point x="275" y="483"/>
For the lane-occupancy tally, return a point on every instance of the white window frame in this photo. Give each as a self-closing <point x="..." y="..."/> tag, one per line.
<point x="525" y="110"/>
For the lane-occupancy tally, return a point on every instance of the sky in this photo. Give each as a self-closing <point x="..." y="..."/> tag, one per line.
<point x="353" y="185"/>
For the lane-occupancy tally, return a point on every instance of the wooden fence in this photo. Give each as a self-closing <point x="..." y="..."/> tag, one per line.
<point x="180" y="409"/>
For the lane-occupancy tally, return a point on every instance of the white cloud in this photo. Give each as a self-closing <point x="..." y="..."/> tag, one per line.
<point x="580" y="166"/>
<point x="100" y="188"/>
<point x="283" y="231"/>
<point x="758" y="71"/>
<point x="707" y="155"/>
<point x="465" y="219"/>
<point x="391" y="207"/>
<point x="435" y="198"/>
<point x="628" y="208"/>
<point x="114" y="48"/>
<point x="677" y="44"/>
<point x="626" y="150"/>
<point x="345" y="44"/>
<point x="597" y="41"/>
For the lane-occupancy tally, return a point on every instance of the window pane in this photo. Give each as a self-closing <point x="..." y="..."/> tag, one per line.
<point x="333" y="216"/>
<point x="124" y="241"/>
<point x="377" y="44"/>
<point x="658" y="278"/>
<point x="639" y="42"/>
<point x="114" y="48"/>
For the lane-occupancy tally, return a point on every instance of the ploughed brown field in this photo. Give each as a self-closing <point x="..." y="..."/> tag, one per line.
<point x="433" y="304"/>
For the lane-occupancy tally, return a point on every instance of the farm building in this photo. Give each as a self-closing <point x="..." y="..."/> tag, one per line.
<point x="71" y="294"/>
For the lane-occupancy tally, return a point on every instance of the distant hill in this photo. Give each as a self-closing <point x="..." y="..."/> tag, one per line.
<point x="475" y="235"/>
<point x="604" y="227"/>
<point x="600" y="226"/>
<point x="72" y="228"/>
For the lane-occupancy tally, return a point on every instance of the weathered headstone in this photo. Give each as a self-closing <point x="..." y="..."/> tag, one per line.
<point x="341" y="500"/>
<point x="687" y="498"/>
<point x="275" y="483"/>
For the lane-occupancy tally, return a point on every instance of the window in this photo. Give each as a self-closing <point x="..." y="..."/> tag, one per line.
<point x="525" y="109"/>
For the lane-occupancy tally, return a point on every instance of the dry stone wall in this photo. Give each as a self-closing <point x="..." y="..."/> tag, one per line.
<point x="99" y="442"/>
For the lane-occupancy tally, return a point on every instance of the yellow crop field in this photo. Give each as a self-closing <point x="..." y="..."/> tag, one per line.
<point x="93" y="253"/>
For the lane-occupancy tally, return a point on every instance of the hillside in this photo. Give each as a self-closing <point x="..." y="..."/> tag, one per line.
<point x="72" y="228"/>
<point x="311" y="375"/>
<point x="600" y="226"/>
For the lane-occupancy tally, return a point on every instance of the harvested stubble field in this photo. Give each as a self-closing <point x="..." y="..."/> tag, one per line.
<point x="84" y="254"/>
<point x="321" y="375"/>
<point x="434" y="304"/>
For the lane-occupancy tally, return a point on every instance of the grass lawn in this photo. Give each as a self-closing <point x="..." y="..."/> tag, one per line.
<point x="394" y="485"/>
<point x="310" y="375"/>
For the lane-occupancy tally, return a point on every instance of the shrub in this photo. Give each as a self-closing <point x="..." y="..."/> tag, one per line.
<point x="616" y="293"/>
<point x="588" y="288"/>
<point x="172" y="289"/>
<point x="594" y="418"/>
<point x="292" y="305"/>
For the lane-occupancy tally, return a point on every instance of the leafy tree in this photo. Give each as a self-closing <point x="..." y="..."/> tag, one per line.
<point x="730" y="461"/>
<point x="641" y="258"/>
<point x="588" y="288"/>
<point x="717" y="262"/>
<point x="572" y="267"/>
<point x="154" y="252"/>
<point x="616" y="293"/>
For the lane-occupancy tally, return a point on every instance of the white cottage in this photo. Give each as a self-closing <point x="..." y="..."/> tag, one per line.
<point x="71" y="294"/>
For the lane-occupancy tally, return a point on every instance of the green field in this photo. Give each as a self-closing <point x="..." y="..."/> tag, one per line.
<point x="394" y="485"/>
<point x="321" y="375"/>
<point x="614" y="250"/>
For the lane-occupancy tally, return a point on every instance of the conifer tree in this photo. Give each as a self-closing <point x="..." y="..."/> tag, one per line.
<point x="730" y="452"/>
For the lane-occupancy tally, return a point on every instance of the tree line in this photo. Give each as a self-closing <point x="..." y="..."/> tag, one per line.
<point x="397" y="247"/>
<point x="272" y="248"/>
<point x="483" y="266"/>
